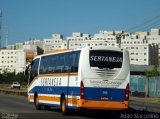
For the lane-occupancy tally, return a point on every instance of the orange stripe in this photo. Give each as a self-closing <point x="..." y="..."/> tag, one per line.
<point x="49" y="98"/>
<point x="53" y="98"/>
<point x="72" y="101"/>
<point x="30" y="97"/>
<point x="57" y="74"/>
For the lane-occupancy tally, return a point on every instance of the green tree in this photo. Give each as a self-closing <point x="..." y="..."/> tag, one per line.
<point x="9" y="77"/>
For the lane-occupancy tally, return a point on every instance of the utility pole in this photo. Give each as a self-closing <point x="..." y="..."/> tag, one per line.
<point x="6" y="38"/>
<point x="0" y="27"/>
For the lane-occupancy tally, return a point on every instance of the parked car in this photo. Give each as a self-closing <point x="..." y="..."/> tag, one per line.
<point x="15" y="85"/>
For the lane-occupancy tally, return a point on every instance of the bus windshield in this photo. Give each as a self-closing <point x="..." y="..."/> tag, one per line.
<point x="106" y="59"/>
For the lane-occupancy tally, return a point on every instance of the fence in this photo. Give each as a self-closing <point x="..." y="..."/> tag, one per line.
<point x="138" y="86"/>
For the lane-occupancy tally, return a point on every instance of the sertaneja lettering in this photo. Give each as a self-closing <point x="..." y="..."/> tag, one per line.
<point x="106" y="59"/>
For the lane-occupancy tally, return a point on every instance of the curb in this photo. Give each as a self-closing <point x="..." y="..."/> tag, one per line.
<point x="16" y="92"/>
<point x="144" y="106"/>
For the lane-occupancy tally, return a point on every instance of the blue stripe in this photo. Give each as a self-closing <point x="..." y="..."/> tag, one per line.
<point x="90" y="93"/>
<point x="56" y="90"/>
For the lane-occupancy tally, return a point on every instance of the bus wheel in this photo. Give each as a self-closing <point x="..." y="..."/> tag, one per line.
<point x="63" y="106"/>
<point x="36" y="101"/>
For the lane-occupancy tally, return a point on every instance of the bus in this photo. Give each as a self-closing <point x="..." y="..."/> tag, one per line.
<point x="87" y="78"/>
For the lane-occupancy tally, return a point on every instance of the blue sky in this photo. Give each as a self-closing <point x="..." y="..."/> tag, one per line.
<point x="28" y="19"/>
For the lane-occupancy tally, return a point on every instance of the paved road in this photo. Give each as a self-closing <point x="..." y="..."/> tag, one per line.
<point x="17" y="107"/>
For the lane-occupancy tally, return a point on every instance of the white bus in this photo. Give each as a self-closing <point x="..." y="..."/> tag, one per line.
<point x="88" y="78"/>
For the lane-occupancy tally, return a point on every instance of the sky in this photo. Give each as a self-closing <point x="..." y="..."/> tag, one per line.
<point x="24" y="20"/>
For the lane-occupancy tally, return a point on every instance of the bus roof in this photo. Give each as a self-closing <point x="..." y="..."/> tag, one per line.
<point x="70" y="50"/>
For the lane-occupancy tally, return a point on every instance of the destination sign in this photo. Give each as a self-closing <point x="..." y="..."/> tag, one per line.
<point x="106" y="59"/>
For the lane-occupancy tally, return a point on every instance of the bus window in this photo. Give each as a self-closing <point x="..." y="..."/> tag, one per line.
<point x="106" y="59"/>
<point x="34" y="69"/>
<point x="72" y="61"/>
<point x="60" y="63"/>
<point x="75" y="61"/>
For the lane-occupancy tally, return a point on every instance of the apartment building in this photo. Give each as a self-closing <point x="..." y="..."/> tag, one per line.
<point x="8" y="60"/>
<point x="141" y="53"/>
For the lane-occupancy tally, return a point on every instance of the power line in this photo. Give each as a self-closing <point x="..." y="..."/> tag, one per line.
<point x="149" y="26"/>
<point x="147" y="23"/>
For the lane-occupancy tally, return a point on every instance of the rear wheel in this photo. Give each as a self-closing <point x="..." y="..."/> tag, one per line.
<point x="36" y="101"/>
<point x="63" y="105"/>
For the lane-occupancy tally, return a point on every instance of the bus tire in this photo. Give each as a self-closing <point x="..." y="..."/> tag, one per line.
<point x="63" y="105"/>
<point x="36" y="102"/>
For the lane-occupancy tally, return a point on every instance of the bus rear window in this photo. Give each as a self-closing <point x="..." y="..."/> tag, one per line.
<point x="106" y="59"/>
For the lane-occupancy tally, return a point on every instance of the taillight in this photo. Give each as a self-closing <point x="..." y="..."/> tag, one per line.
<point x="127" y="91"/>
<point x="82" y="90"/>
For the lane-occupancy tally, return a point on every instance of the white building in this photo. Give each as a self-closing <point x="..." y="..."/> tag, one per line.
<point x="79" y="40"/>
<point x="8" y="60"/>
<point x="21" y="61"/>
<point x="141" y="53"/>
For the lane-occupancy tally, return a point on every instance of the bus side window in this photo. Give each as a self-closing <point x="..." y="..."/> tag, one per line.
<point x="34" y="69"/>
<point x="75" y="61"/>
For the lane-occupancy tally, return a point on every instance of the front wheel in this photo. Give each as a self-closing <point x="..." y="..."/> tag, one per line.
<point x="63" y="105"/>
<point x="36" y="102"/>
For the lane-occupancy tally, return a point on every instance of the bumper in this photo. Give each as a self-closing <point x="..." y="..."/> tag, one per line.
<point x="109" y="105"/>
